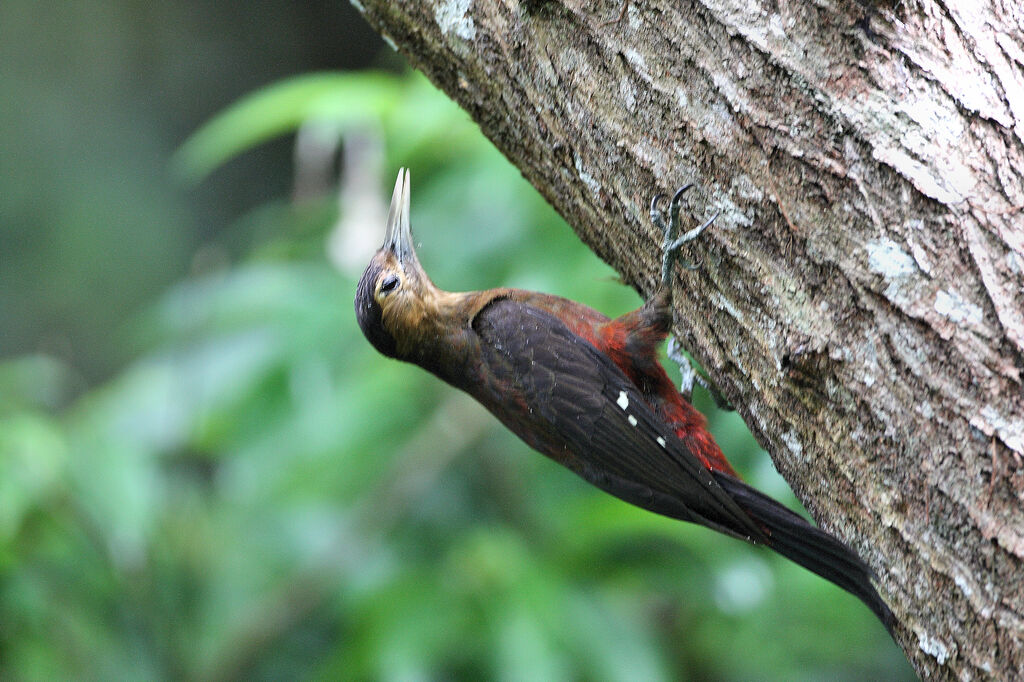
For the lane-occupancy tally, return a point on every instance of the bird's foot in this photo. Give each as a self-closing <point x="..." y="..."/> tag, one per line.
<point x="672" y="243"/>
<point x="690" y="375"/>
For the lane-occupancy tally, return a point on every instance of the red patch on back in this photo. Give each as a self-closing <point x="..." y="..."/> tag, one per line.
<point x="631" y="343"/>
<point x="647" y="374"/>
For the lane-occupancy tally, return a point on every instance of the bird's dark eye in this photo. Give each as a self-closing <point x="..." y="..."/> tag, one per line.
<point x="390" y="282"/>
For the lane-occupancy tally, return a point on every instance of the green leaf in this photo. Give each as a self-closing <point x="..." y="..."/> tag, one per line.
<point x="32" y="457"/>
<point x="337" y="99"/>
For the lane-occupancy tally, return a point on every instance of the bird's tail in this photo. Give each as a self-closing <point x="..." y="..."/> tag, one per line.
<point x="817" y="551"/>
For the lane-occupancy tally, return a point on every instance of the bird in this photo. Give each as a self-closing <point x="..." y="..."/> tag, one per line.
<point x="589" y="392"/>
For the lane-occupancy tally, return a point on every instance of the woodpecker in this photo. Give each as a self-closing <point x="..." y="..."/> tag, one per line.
<point x="588" y="392"/>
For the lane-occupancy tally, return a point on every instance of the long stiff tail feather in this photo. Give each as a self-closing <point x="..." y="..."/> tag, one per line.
<point x="817" y="551"/>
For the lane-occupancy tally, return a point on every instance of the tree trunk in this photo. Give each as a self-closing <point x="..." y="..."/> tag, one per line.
<point x="860" y="299"/>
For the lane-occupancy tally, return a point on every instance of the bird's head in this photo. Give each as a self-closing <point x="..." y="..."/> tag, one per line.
<point x="394" y="291"/>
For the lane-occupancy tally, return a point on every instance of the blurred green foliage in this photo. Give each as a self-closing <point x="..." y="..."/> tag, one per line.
<point x="260" y="495"/>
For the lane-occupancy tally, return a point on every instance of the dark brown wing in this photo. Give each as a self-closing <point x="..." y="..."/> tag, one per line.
<point x="566" y="399"/>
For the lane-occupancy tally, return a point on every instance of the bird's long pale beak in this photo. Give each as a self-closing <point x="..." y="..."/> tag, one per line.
<point x="398" y="236"/>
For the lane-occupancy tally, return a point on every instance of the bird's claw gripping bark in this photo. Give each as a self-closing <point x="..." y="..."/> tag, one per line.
<point x="690" y="375"/>
<point x="672" y="243"/>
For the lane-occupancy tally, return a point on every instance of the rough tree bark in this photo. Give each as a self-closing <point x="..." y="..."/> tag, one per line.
<point x="861" y="299"/>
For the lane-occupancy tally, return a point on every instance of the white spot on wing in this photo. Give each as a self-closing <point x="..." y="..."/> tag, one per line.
<point x="623" y="400"/>
<point x="661" y="441"/>
<point x="632" y="420"/>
